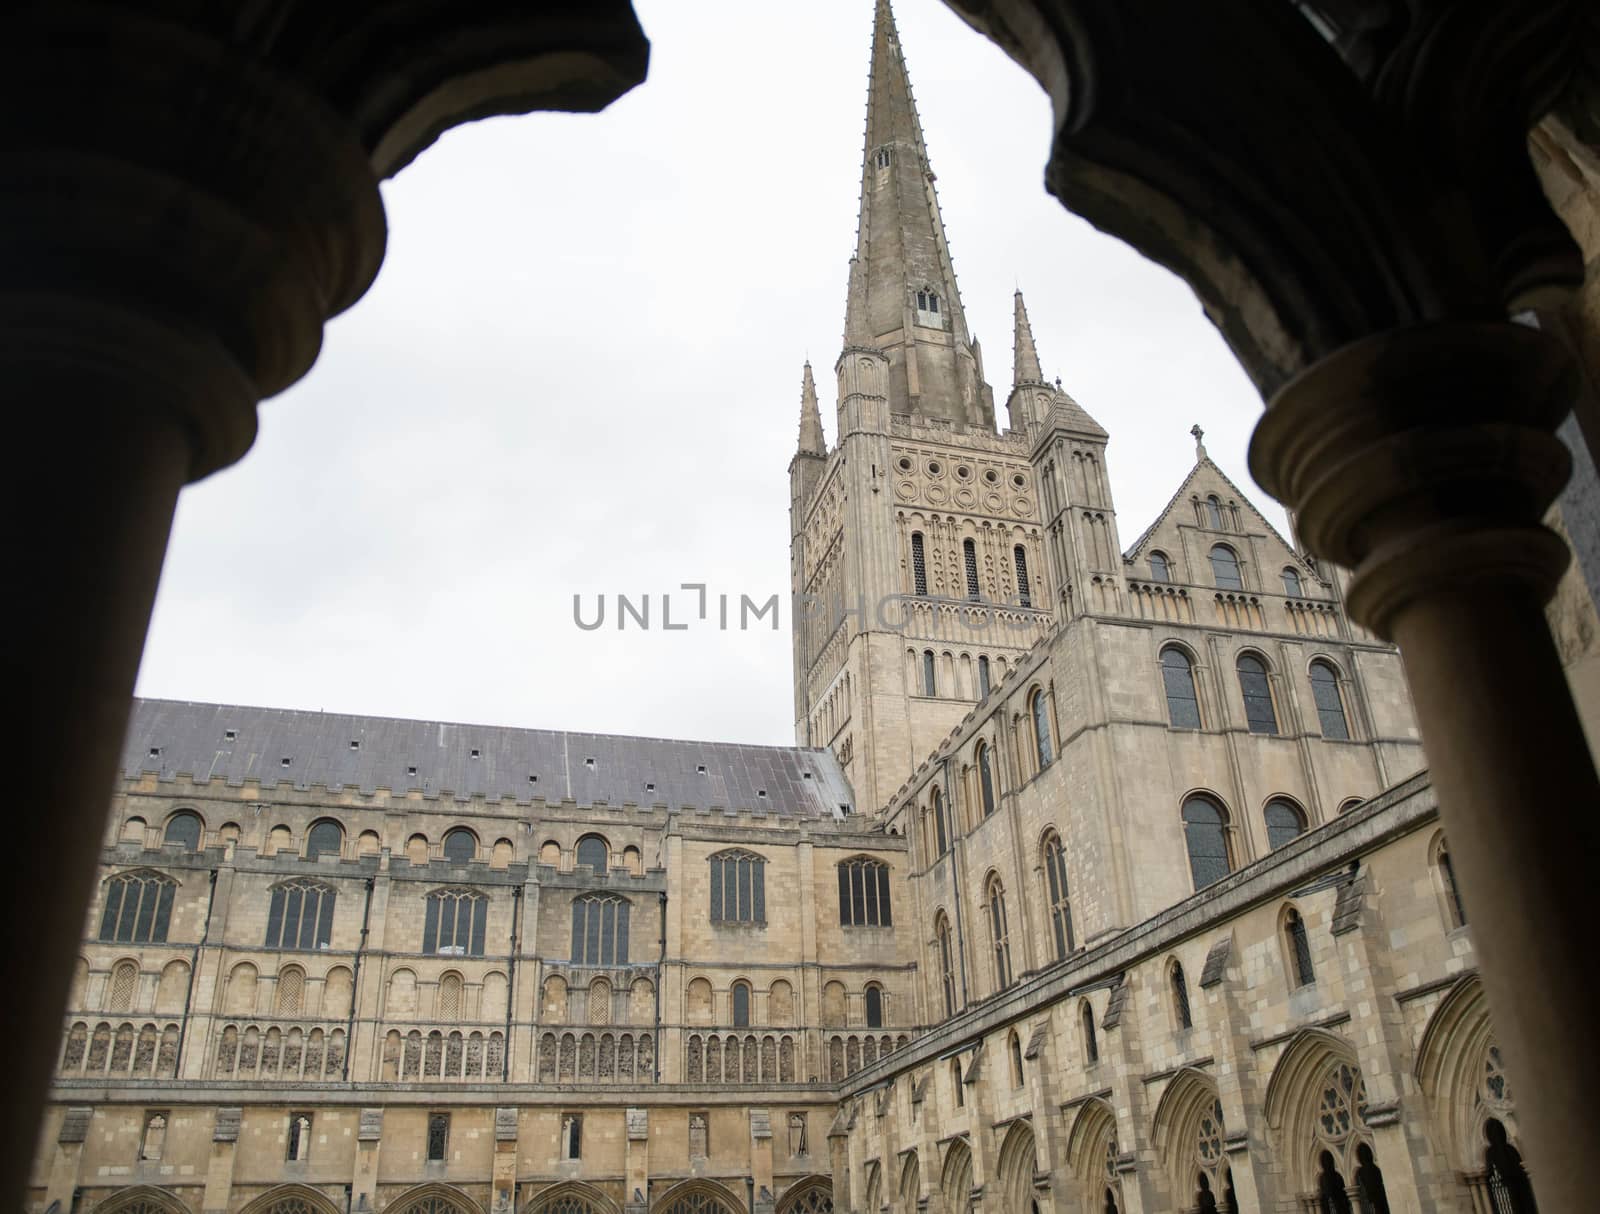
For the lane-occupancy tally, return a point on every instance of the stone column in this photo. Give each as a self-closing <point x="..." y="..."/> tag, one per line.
<point x="504" y="1186"/>
<point x="637" y="1182"/>
<point x="364" y="1180"/>
<point x="1424" y="459"/>
<point x="761" y="1160"/>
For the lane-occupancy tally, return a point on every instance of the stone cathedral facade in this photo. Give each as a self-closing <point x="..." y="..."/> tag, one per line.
<point x="1105" y="876"/>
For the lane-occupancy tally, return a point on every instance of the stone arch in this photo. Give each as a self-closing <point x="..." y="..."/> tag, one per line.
<point x="1450" y="1071"/>
<point x="433" y="1198"/>
<point x="910" y="1187"/>
<point x="1290" y="1107"/>
<point x="291" y="1199"/>
<point x="1189" y="1098"/>
<point x="808" y="1195"/>
<point x="576" y="1197"/>
<point x="955" y="1178"/>
<point x="712" y="1197"/>
<point x="142" y="1199"/>
<point x="1016" y="1165"/>
<point x="1092" y="1151"/>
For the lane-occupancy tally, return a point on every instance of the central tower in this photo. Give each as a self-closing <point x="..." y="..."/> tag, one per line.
<point x="917" y="553"/>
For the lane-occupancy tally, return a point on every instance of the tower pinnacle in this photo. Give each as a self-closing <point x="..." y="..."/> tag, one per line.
<point x="811" y="440"/>
<point x="1025" y="358"/>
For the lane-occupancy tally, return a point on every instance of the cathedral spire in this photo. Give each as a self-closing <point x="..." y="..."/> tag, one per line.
<point x="811" y="440"/>
<point x="1024" y="357"/>
<point x="903" y="299"/>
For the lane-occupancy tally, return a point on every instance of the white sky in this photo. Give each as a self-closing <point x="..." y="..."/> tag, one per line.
<point x="579" y="372"/>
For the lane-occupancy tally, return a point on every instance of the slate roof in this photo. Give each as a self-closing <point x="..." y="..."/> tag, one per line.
<point x="170" y="737"/>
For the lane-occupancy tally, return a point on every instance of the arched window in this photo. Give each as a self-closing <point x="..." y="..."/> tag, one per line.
<point x="956" y="1083"/>
<point x="138" y="908"/>
<point x="985" y="779"/>
<point x="325" y="838"/>
<point x="1291" y="583"/>
<point x="1041" y="728"/>
<point x="461" y="845"/>
<point x="999" y="935"/>
<point x="1160" y="567"/>
<point x="595" y="852"/>
<point x="454" y="923"/>
<point x="919" y="565"/>
<point x="928" y="301"/>
<point x="1510" y="1190"/>
<point x="1225" y="568"/>
<point x="1455" y="909"/>
<point x="1091" y="1047"/>
<point x="864" y="893"/>
<point x="1180" y="997"/>
<point x="300" y="915"/>
<point x="930" y="686"/>
<point x="741" y="1005"/>
<point x="1019" y="556"/>
<point x="600" y="930"/>
<point x="738" y="888"/>
<point x="1284" y="822"/>
<point x="1055" y="880"/>
<point x="1259" y="713"/>
<point x="1177" y="676"/>
<point x="1214" y="512"/>
<point x="983" y="676"/>
<point x="1014" y="1048"/>
<point x="969" y="558"/>
<point x="1205" y="834"/>
<point x="941" y="829"/>
<point x="874" y="1003"/>
<point x="184" y="829"/>
<point x="947" y="969"/>
<point x="1330" y="703"/>
<point x="1294" y="930"/>
<point x="883" y="158"/>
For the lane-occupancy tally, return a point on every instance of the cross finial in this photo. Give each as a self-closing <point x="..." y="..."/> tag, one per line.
<point x="1199" y="440"/>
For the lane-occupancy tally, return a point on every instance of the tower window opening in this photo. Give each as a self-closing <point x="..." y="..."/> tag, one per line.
<point x="1020" y="556"/>
<point x="919" y="565"/>
<point x="969" y="554"/>
<point x="883" y="158"/>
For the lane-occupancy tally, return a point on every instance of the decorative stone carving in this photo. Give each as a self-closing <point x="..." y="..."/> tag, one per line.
<point x="638" y="1125"/>
<point x="505" y="1125"/>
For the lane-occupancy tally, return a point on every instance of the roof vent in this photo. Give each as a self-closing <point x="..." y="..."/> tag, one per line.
<point x="761" y="792"/>
<point x="701" y="768"/>
<point x="649" y="788"/>
<point x="805" y="775"/>
<point x="354" y="745"/>
<point x="230" y="734"/>
<point x="589" y="762"/>
<point x="155" y="752"/>
<point x="285" y="761"/>
<point x="533" y="779"/>
<point x="411" y="771"/>
<point x="476" y="753"/>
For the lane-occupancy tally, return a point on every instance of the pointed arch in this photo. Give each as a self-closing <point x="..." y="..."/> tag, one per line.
<point x="1188" y="1099"/>
<point x="142" y="1199"/>
<point x="570" y="1197"/>
<point x="1293" y="1094"/>
<point x="291" y="1199"/>
<point x="955" y="1177"/>
<point x="1016" y="1165"/>
<point x="910" y="1186"/>
<point x="697" y="1197"/>
<point x="433" y="1197"/>
<point x="1450" y="1070"/>
<point x="1092" y="1153"/>
<point x="808" y="1195"/>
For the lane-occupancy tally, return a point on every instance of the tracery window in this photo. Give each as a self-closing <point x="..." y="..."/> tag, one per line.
<point x="1019" y="557"/>
<point x="299" y="1145"/>
<point x="864" y="893"/>
<point x="928" y="301"/>
<point x="1180" y="997"/>
<point x="1259" y="713"/>
<point x="947" y="971"/>
<point x="883" y="157"/>
<point x="1160" y="567"/>
<point x="1284" y="822"/>
<point x="600" y="930"/>
<point x="1225" y="567"/>
<point x="1205" y="834"/>
<point x="454" y="923"/>
<point x="738" y="888"/>
<point x="999" y="934"/>
<point x="1330" y="702"/>
<point x="138" y="908"/>
<point x="930" y="685"/>
<point x="919" y="565"/>
<point x="985" y="779"/>
<point x="1294" y="928"/>
<point x="460" y="846"/>
<point x="594" y="851"/>
<point x="969" y="557"/>
<point x="300" y="915"/>
<point x="184" y="828"/>
<point x="1177" y="677"/>
<point x="1041" y="729"/>
<point x="1057" y="894"/>
<point x="1291" y="583"/>
<point x="325" y="838"/>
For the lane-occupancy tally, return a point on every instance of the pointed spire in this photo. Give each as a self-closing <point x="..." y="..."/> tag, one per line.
<point x="1024" y="357"/>
<point x="811" y="440"/>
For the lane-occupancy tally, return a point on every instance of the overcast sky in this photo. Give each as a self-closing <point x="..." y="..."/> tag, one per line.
<point x="579" y="373"/>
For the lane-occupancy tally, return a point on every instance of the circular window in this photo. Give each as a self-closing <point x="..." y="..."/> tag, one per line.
<point x="934" y="469"/>
<point x="991" y="476"/>
<point x="905" y="465"/>
<point x="964" y="473"/>
<point x="1019" y="480"/>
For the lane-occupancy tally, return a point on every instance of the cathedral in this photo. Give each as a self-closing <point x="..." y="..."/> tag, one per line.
<point x="1105" y="876"/>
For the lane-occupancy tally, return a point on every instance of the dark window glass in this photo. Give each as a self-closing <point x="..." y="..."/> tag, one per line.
<point x="1448" y="871"/>
<point x="1180" y="997"/>
<point x="460" y="846"/>
<point x="999" y="936"/>
<point x="941" y="835"/>
<point x="324" y="839"/>
<point x="438" y="1136"/>
<point x="600" y="930"/>
<point x="138" y="908"/>
<point x="1207" y="841"/>
<point x="1024" y="592"/>
<point x="874" y="1008"/>
<point x="1283" y="823"/>
<point x="741" y="1005"/>
<point x="300" y="915"/>
<point x="1214" y="512"/>
<point x="454" y="923"/>
<point x="1330" y="704"/>
<point x="983" y="677"/>
<point x="864" y="893"/>
<point x="1160" y="567"/>
<point x="947" y="973"/>
<point x="1259" y="713"/>
<point x="184" y="830"/>
<point x="1291" y="584"/>
<point x="1299" y="949"/>
<point x="1177" y="675"/>
<point x="1055" y="870"/>
<point x="738" y="888"/>
<point x="1015" y="1046"/>
<point x="930" y="686"/>
<point x="1041" y="729"/>
<point x="985" y="780"/>
<point x="969" y="556"/>
<point x="592" y="850"/>
<point x="919" y="564"/>
<point x="1091" y="1047"/>
<point x="1225" y="568"/>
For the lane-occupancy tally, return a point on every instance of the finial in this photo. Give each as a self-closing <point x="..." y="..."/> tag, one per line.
<point x="1058" y="383"/>
<point x="1199" y="441"/>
